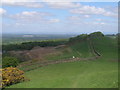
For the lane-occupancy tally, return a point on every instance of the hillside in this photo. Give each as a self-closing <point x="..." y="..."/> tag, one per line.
<point x="97" y="65"/>
<point x="83" y="74"/>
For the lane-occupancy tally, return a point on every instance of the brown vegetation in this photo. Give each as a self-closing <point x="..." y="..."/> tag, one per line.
<point x="37" y="53"/>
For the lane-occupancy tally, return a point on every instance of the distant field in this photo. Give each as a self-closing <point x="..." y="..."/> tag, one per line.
<point x="19" y="38"/>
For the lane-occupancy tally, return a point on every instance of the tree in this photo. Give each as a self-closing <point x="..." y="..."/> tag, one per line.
<point x="9" y="61"/>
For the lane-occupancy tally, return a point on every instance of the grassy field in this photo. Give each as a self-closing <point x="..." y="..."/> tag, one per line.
<point x="84" y="74"/>
<point x="99" y="73"/>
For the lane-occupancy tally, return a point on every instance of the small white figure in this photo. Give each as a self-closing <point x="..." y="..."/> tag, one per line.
<point x="73" y="56"/>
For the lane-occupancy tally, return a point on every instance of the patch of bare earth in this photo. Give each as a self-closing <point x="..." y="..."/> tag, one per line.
<point x="37" y="53"/>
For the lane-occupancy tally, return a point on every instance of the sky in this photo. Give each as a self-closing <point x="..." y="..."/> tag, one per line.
<point x="59" y="17"/>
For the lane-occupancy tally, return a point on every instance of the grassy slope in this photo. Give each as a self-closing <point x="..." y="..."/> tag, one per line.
<point x="85" y="74"/>
<point x="102" y="73"/>
<point x="107" y="47"/>
<point x="77" y="49"/>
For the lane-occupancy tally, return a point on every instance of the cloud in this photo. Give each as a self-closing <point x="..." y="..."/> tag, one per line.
<point x="22" y="3"/>
<point x="98" y="19"/>
<point x="74" y="18"/>
<point x="80" y="0"/>
<point x="84" y="20"/>
<point x="98" y="23"/>
<point x="63" y="5"/>
<point x="79" y="18"/>
<point x="92" y="10"/>
<point x="86" y="10"/>
<point x="13" y="1"/>
<point x="33" y="17"/>
<point x="54" y="20"/>
<point x="29" y="15"/>
<point x="2" y="11"/>
<point x="87" y="16"/>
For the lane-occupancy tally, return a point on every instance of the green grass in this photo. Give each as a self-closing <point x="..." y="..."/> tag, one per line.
<point x="82" y="49"/>
<point x="84" y="74"/>
<point x="77" y="49"/>
<point x="107" y="47"/>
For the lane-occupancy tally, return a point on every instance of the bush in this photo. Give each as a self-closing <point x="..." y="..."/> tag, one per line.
<point x="11" y="76"/>
<point x="9" y="61"/>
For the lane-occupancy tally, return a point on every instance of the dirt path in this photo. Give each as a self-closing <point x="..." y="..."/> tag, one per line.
<point x="45" y="63"/>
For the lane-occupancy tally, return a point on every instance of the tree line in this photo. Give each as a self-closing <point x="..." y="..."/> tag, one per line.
<point x="30" y="45"/>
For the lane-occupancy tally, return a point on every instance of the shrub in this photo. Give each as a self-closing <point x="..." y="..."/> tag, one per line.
<point x="11" y="76"/>
<point x="9" y="61"/>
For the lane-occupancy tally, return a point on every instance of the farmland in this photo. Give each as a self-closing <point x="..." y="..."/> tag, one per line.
<point x="19" y="38"/>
